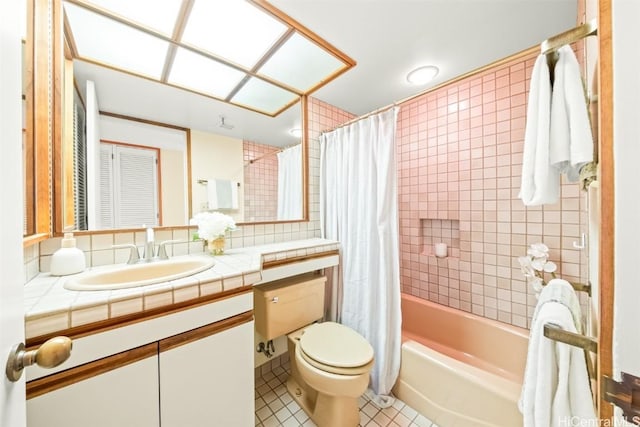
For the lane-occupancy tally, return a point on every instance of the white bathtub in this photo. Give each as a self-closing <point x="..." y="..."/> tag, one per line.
<point x="459" y="369"/>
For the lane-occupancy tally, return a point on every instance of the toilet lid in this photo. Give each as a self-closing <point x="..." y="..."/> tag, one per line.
<point x="333" y="344"/>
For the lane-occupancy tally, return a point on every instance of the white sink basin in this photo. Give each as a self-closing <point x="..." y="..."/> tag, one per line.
<point x="131" y="276"/>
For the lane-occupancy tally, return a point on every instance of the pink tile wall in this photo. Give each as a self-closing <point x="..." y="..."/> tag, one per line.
<point x="459" y="162"/>
<point x="260" y="182"/>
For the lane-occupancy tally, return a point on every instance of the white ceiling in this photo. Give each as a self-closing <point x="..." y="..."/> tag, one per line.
<point x="387" y="38"/>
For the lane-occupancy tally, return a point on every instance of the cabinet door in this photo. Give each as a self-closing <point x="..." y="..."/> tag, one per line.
<point x="120" y="390"/>
<point x="206" y="376"/>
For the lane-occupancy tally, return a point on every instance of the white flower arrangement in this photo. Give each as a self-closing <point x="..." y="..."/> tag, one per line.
<point x="536" y="264"/>
<point x="212" y="225"/>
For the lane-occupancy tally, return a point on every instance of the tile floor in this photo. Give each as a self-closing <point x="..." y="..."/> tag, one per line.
<point x="274" y="406"/>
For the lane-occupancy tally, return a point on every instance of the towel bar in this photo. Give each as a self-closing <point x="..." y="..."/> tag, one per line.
<point x="588" y="344"/>
<point x="582" y="287"/>
<point x="556" y="333"/>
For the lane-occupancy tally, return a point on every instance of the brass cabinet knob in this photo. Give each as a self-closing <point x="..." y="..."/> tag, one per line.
<point x="52" y="353"/>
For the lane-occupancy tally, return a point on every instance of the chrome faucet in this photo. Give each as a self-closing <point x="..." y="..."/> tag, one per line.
<point x="134" y="257"/>
<point x="149" y="246"/>
<point x="149" y="253"/>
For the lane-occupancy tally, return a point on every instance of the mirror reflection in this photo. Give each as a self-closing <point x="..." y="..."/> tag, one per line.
<point x="130" y="162"/>
<point x="182" y="108"/>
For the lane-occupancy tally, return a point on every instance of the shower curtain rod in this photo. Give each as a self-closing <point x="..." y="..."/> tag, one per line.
<point x="252" y="161"/>
<point x="547" y="46"/>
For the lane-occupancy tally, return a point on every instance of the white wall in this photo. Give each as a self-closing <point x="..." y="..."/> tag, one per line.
<point x="626" y="82"/>
<point x="219" y="157"/>
<point x="93" y="156"/>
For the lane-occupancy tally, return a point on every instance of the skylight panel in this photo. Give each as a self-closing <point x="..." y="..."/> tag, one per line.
<point x="111" y="43"/>
<point x="199" y="73"/>
<point x="232" y="29"/>
<point x="158" y="15"/>
<point x="301" y="64"/>
<point x="263" y="96"/>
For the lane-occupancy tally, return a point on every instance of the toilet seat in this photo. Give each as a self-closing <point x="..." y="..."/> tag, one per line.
<point x="335" y="348"/>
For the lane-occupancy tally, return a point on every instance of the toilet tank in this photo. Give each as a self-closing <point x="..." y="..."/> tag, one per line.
<point x="288" y="304"/>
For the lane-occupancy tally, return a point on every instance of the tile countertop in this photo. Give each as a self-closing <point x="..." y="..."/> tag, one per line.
<point x="49" y="307"/>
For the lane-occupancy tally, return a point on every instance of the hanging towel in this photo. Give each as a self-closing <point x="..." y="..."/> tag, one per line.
<point x="561" y="291"/>
<point x="556" y="389"/>
<point x="540" y="182"/>
<point x="222" y="194"/>
<point x="571" y="140"/>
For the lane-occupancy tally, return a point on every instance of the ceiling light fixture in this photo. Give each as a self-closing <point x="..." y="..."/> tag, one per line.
<point x="422" y="75"/>
<point x="295" y="132"/>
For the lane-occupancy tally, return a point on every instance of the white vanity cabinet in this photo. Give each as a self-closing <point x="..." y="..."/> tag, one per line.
<point x="194" y="367"/>
<point x="126" y="394"/>
<point x="215" y="372"/>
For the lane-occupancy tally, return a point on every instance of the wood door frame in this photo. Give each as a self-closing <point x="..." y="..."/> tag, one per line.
<point x="607" y="198"/>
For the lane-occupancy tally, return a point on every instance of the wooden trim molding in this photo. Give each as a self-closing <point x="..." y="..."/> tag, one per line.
<point x="63" y="164"/>
<point x="44" y="51"/>
<point x="129" y="319"/>
<point x="139" y="120"/>
<point x="57" y="113"/>
<point x="29" y="138"/>
<point x="33" y="239"/>
<point x="607" y="199"/>
<point x="75" y="375"/>
<point x="277" y="263"/>
<point x="204" y="331"/>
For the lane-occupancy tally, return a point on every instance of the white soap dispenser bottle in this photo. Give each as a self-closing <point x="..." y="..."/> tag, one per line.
<point x="68" y="259"/>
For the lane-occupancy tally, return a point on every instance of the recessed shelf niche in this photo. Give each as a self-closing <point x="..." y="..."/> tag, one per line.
<point x="440" y="230"/>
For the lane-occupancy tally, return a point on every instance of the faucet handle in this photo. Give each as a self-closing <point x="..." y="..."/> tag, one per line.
<point x="134" y="256"/>
<point x="162" y="249"/>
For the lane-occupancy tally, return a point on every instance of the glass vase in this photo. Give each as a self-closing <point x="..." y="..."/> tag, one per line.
<point x="216" y="246"/>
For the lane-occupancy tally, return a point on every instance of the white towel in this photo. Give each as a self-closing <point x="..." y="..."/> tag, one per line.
<point x="540" y="181"/>
<point x="561" y="291"/>
<point x="556" y="390"/>
<point x="571" y="139"/>
<point x="222" y="194"/>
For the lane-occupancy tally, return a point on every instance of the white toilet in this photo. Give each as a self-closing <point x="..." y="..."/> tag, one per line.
<point x="330" y="363"/>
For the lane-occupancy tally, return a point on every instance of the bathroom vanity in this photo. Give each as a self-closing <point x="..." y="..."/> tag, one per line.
<point x="178" y="353"/>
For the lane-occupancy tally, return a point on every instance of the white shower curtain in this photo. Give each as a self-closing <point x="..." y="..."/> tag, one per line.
<point x="290" y="183"/>
<point x="359" y="208"/>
